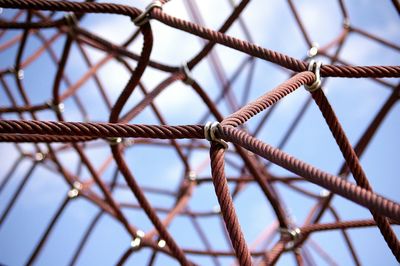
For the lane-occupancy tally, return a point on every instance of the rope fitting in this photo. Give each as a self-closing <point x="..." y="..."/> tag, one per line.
<point x="209" y="133"/>
<point x="58" y="108"/>
<point x="314" y="66"/>
<point x="74" y="191"/>
<point x="294" y="235"/>
<point x="19" y="72"/>
<point x="135" y="243"/>
<point x="118" y="140"/>
<point x="71" y="19"/>
<point x="161" y="243"/>
<point x="313" y="50"/>
<point x="216" y="209"/>
<point x="115" y="140"/>
<point x="143" y="18"/>
<point x="39" y="156"/>
<point x="324" y="193"/>
<point x="192" y="176"/>
<point x="346" y="23"/>
<point x="188" y="75"/>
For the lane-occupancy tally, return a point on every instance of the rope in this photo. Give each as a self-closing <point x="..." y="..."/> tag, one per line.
<point x="20" y="122"/>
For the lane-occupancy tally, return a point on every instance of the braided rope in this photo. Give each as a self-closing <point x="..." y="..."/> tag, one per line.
<point x="100" y="129"/>
<point x="226" y="203"/>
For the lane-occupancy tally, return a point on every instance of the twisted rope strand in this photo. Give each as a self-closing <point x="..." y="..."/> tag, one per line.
<point x="227" y="207"/>
<point x="103" y="130"/>
<point x="335" y="184"/>
<point x="355" y="167"/>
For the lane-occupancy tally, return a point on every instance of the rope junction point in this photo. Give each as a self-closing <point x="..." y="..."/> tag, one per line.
<point x="135" y="243"/>
<point x="294" y="235"/>
<point x="58" y="108"/>
<point x="210" y="133"/>
<point x="143" y="18"/>
<point x="115" y="141"/>
<point x="314" y="67"/>
<point x="19" y="73"/>
<point x="71" y="19"/>
<point x="189" y="80"/>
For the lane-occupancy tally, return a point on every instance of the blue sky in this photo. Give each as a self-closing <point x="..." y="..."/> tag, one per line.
<point x="271" y="24"/>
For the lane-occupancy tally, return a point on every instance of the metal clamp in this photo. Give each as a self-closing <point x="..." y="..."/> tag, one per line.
<point x="144" y="16"/>
<point x="71" y="19"/>
<point x="19" y="72"/>
<point x="313" y="50"/>
<point x="58" y="108"/>
<point x="346" y="23"/>
<point x="324" y="193"/>
<point x="74" y="191"/>
<point x="294" y="235"/>
<point x="315" y="67"/>
<point x="192" y="176"/>
<point x="135" y="243"/>
<point x="115" y="140"/>
<point x="209" y="133"/>
<point x="188" y="75"/>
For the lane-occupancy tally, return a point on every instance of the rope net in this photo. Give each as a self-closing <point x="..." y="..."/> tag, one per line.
<point x="104" y="133"/>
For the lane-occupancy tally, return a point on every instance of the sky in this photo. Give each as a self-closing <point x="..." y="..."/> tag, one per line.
<point x="272" y="26"/>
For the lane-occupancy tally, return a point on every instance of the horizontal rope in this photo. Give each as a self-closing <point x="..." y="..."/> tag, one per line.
<point x="36" y="138"/>
<point x="102" y="130"/>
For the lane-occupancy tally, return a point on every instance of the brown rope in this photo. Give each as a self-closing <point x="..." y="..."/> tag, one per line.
<point x="354" y="166"/>
<point x="226" y="203"/>
<point x="20" y="123"/>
